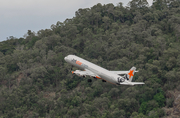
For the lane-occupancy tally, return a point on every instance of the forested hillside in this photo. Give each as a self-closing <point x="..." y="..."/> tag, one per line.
<point x="35" y="81"/>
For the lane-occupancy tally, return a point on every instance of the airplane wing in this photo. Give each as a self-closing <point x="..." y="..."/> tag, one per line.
<point x="84" y="73"/>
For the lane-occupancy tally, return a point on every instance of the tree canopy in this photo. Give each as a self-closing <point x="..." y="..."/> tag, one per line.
<point x="35" y="80"/>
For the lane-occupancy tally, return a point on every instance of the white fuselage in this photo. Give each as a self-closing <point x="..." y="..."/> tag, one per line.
<point x="99" y="71"/>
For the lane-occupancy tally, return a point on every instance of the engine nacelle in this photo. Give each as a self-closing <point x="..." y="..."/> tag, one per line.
<point x="126" y="77"/>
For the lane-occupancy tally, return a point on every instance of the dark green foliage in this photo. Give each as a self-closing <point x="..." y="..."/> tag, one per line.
<point x="35" y="81"/>
<point x="31" y="43"/>
<point x="143" y="108"/>
<point x="72" y="83"/>
<point x="12" y="67"/>
<point x="159" y="97"/>
<point x="7" y="47"/>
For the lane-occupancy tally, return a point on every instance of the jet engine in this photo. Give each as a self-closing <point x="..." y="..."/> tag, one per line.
<point x="126" y="77"/>
<point x="120" y="79"/>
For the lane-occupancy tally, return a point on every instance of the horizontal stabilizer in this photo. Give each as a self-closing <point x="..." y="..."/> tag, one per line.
<point x="132" y="83"/>
<point x="121" y="72"/>
<point x="137" y="83"/>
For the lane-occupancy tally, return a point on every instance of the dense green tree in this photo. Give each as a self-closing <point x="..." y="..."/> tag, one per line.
<point x="35" y="81"/>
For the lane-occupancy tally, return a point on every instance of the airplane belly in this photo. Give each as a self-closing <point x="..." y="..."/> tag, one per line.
<point x="107" y="78"/>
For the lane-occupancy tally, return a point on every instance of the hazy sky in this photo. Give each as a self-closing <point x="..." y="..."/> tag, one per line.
<point x="18" y="16"/>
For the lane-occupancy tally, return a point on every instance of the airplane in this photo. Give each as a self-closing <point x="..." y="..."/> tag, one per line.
<point x="95" y="71"/>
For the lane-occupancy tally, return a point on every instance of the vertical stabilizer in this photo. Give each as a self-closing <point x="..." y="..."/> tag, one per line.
<point x="131" y="73"/>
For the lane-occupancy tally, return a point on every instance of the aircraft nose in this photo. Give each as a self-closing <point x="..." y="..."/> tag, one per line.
<point x="65" y="58"/>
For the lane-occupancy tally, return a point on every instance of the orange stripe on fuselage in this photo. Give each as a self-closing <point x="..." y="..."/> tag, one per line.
<point x="109" y="82"/>
<point x="78" y="62"/>
<point x="98" y="77"/>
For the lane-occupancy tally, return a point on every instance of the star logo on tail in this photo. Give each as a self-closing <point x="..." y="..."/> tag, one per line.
<point x="130" y="73"/>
